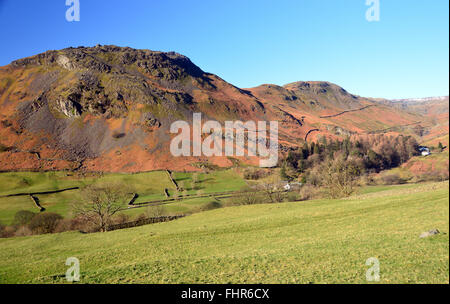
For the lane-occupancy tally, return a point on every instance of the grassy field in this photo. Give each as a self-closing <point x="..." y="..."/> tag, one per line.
<point x="150" y="186"/>
<point x="321" y="241"/>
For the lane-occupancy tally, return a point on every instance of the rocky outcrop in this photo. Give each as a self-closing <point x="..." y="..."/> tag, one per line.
<point x="69" y="107"/>
<point x="65" y="62"/>
<point x="149" y="120"/>
<point x="429" y="233"/>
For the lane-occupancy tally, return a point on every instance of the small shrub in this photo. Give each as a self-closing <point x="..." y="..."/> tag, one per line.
<point x="278" y="196"/>
<point x="45" y="222"/>
<point x="211" y="206"/>
<point x="23" y="217"/>
<point x="393" y="179"/>
<point x="367" y="180"/>
<point x="141" y="217"/>
<point x="254" y="174"/>
<point x="313" y="178"/>
<point x="155" y="211"/>
<point x="433" y="176"/>
<point x="82" y="224"/>
<point x="121" y="218"/>
<point x="8" y="231"/>
<point x="23" y="231"/>
<point x="249" y="198"/>
<point x="308" y="192"/>
<point x="64" y="225"/>
<point x="293" y="196"/>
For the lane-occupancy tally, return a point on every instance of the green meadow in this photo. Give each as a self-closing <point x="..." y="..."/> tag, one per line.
<point x="149" y="186"/>
<point x="318" y="241"/>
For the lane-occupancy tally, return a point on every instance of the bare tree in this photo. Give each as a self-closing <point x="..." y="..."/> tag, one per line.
<point x="338" y="177"/>
<point x="271" y="189"/>
<point x="101" y="202"/>
<point x="247" y="197"/>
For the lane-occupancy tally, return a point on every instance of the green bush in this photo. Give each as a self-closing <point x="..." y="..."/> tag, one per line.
<point x="45" y="222"/>
<point x="23" y="217"/>
<point x="393" y="179"/>
<point x="211" y="206"/>
<point x="293" y="196"/>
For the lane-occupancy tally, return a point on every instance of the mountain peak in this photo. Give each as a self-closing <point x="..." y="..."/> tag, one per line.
<point x="107" y="58"/>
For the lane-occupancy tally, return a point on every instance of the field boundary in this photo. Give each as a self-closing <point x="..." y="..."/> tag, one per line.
<point x="147" y="221"/>
<point x="39" y="193"/>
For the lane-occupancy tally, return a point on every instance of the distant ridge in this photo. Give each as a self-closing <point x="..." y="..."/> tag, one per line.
<point x="425" y="99"/>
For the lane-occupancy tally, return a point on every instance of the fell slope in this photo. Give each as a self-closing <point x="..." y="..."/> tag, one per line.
<point x="433" y="109"/>
<point x="109" y="108"/>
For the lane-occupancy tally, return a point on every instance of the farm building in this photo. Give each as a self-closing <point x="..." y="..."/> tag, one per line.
<point x="287" y="186"/>
<point x="425" y="151"/>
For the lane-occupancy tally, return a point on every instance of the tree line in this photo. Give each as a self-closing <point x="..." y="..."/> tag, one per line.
<point x="334" y="164"/>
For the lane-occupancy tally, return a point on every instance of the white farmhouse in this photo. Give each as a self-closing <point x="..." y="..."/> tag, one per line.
<point x="425" y="151"/>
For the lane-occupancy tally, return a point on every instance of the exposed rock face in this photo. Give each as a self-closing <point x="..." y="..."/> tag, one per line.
<point x="69" y="107"/>
<point x="339" y="131"/>
<point x="65" y="62"/>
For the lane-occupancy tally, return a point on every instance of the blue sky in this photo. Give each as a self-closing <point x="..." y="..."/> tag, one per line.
<point x="249" y="42"/>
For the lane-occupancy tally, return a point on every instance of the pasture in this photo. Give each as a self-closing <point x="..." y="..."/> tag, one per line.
<point x="319" y="241"/>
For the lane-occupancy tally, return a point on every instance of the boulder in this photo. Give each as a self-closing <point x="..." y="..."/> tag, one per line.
<point x="429" y="233"/>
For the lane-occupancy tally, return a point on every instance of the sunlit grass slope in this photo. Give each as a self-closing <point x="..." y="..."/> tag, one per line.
<point x="322" y="241"/>
<point x="149" y="186"/>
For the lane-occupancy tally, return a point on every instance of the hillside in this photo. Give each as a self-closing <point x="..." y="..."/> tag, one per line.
<point x="109" y="109"/>
<point x="322" y="241"/>
<point x="435" y="110"/>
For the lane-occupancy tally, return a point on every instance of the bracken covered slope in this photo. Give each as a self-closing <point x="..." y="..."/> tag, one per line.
<point x="109" y="108"/>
